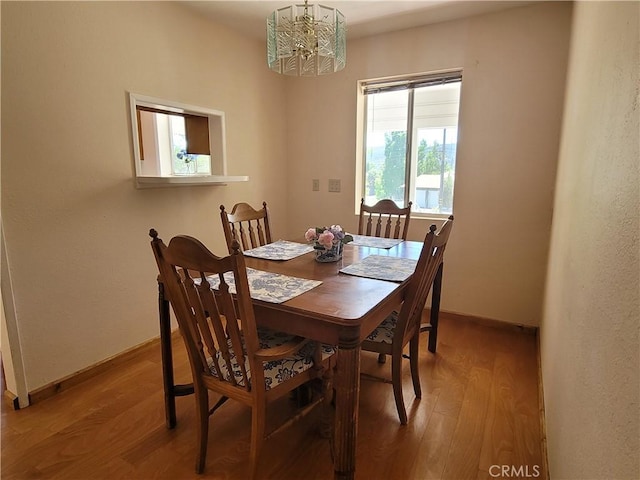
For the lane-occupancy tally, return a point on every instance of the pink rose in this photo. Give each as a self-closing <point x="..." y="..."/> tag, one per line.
<point x="310" y="234"/>
<point x="326" y="239"/>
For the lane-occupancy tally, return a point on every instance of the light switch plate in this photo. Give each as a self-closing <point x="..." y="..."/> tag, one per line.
<point x="334" y="185"/>
<point x="315" y="185"/>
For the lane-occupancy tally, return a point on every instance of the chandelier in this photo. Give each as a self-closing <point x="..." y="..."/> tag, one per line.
<point x="306" y="40"/>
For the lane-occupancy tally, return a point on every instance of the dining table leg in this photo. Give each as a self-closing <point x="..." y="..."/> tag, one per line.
<point x="347" y="383"/>
<point x="435" y="310"/>
<point x="167" y="358"/>
<point x="171" y="390"/>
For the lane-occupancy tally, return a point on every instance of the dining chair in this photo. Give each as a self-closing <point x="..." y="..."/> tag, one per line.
<point x="384" y="219"/>
<point x="250" y="227"/>
<point x="400" y="328"/>
<point x="384" y="214"/>
<point x="228" y="354"/>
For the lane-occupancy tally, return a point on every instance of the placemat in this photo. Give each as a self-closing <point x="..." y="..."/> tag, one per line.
<point x="381" y="267"/>
<point x="375" y="242"/>
<point x="280" y="250"/>
<point x="267" y="286"/>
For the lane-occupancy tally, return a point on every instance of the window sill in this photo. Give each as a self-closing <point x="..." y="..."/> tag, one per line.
<point x="429" y="216"/>
<point x="187" y="180"/>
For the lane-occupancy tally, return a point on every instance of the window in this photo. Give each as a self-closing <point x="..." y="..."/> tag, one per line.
<point x="182" y="161"/>
<point x="177" y="144"/>
<point x="410" y="135"/>
<point x="165" y="139"/>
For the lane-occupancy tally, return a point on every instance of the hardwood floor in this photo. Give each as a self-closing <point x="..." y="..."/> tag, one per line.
<point x="479" y="408"/>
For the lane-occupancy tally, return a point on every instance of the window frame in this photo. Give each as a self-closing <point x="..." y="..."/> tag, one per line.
<point x="396" y="83"/>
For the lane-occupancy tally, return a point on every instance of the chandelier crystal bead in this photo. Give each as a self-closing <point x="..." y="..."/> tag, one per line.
<point x="306" y="40"/>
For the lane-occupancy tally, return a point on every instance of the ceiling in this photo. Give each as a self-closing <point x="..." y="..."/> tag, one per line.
<point x="364" y="17"/>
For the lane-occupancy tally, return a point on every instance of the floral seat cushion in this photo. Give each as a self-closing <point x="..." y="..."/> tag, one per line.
<point x="384" y="332"/>
<point x="278" y="371"/>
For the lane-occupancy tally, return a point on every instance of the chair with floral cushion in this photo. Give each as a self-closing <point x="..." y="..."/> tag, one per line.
<point x="250" y="227"/>
<point x="228" y="354"/>
<point x="400" y="328"/>
<point x="384" y="219"/>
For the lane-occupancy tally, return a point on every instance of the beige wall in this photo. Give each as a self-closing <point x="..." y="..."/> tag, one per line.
<point x="76" y="227"/>
<point x="589" y="335"/>
<point x="514" y="65"/>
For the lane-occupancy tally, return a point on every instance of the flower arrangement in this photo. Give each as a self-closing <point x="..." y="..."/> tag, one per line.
<point x="325" y="238"/>
<point x="328" y="242"/>
<point x="186" y="157"/>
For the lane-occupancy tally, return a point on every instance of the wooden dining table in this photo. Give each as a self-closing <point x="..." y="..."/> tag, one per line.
<point x="343" y="310"/>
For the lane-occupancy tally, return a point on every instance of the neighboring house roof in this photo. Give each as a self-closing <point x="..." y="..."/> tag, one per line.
<point x="428" y="181"/>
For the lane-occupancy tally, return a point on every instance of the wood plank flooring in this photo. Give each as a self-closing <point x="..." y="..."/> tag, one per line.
<point x="479" y="408"/>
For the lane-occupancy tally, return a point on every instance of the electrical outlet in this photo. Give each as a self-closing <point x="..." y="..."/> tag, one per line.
<point x="315" y="185"/>
<point x="334" y="185"/>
